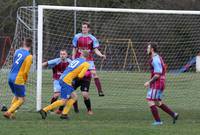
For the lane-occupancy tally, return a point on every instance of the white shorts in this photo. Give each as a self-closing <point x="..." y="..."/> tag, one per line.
<point x="154" y="94"/>
<point x="56" y="86"/>
<point x="92" y="66"/>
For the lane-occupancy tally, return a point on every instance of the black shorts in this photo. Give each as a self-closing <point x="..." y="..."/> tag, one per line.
<point x="84" y="84"/>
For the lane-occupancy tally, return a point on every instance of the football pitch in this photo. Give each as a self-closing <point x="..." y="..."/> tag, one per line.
<point x="123" y="111"/>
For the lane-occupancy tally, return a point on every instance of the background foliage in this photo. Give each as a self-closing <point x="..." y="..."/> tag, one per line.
<point x="9" y="7"/>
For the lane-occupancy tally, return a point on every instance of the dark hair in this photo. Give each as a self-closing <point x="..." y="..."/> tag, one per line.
<point x="154" y="46"/>
<point x="63" y="49"/>
<point x="28" y="42"/>
<point x="86" y="23"/>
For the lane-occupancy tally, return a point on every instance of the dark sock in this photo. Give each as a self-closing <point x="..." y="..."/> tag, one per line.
<point x="53" y="99"/>
<point x="76" y="106"/>
<point x="61" y="108"/>
<point x="154" y="112"/>
<point x="98" y="84"/>
<point x="87" y="104"/>
<point x="166" y="109"/>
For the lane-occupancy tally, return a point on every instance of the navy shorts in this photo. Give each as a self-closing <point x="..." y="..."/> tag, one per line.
<point x="17" y="90"/>
<point x="84" y="84"/>
<point x="66" y="90"/>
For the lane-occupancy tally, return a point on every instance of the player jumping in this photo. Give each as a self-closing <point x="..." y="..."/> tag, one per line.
<point x="86" y="41"/>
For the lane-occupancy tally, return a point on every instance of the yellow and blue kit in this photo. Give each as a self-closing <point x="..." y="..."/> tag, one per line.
<point x="77" y="68"/>
<point x="19" y="71"/>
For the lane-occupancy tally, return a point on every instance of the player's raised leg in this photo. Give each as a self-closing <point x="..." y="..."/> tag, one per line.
<point x="168" y="110"/>
<point x="56" y="94"/>
<point x="58" y="103"/>
<point x="69" y="105"/>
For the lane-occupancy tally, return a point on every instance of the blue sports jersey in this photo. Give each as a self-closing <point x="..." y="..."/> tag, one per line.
<point x="22" y="61"/>
<point x="77" y="68"/>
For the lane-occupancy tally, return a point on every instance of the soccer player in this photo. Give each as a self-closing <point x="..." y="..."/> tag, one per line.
<point x="84" y="85"/>
<point x="77" y="68"/>
<point x="18" y="76"/>
<point x="58" y="66"/>
<point x="86" y="41"/>
<point x="156" y="85"/>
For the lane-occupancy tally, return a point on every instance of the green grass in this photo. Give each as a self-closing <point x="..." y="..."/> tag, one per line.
<point x="123" y="111"/>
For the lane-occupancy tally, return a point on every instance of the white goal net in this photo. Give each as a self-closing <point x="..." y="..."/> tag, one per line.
<point x="123" y="34"/>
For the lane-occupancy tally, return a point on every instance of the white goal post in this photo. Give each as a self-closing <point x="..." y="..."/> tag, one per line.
<point x="40" y="37"/>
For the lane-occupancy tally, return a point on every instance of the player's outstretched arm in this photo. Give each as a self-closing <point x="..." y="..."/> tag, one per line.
<point x="45" y="64"/>
<point x="52" y="63"/>
<point x="97" y="52"/>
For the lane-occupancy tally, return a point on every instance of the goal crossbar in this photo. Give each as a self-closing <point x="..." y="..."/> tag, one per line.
<point x="150" y="11"/>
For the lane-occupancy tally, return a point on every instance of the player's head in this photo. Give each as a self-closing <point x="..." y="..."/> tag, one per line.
<point x="198" y="54"/>
<point x="84" y="54"/>
<point x="85" y="27"/>
<point x="27" y="43"/>
<point x="63" y="54"/>
<point x="152" y="48"/>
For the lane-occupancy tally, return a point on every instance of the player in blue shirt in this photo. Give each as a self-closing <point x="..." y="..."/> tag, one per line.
<point x="76" y="69"/>
<point x="18" y="76"/>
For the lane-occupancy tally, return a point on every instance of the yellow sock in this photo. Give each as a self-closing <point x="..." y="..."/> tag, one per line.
<point x="15" y="105"/>
<point x="68" y="106"/>
<point x="54" y="105"/>
<point x="13" y="100"/>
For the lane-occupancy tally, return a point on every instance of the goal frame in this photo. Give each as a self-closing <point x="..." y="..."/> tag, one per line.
<point x="41" y="8"/>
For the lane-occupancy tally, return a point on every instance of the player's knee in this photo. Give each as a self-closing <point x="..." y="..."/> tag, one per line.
<point x="94" y="73"/>
<point x="63" y="101"/>
<point x="21" y="99"/>
<point x="56" y="94"/>
<point x="159" y="103"/>
<point x="85" y="95"/>
<point x="151" y="103"/>
<point x="74" y="96"/>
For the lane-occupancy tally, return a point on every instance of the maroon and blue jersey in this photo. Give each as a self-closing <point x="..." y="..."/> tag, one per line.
<point x="157" y="66"/>
<point x="58" y="67"/>
<point x="85" y="42"/>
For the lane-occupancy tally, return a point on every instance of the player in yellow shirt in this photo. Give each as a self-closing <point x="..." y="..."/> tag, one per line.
<point x="18" y="76"/>
<point x="76" y="69"/>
